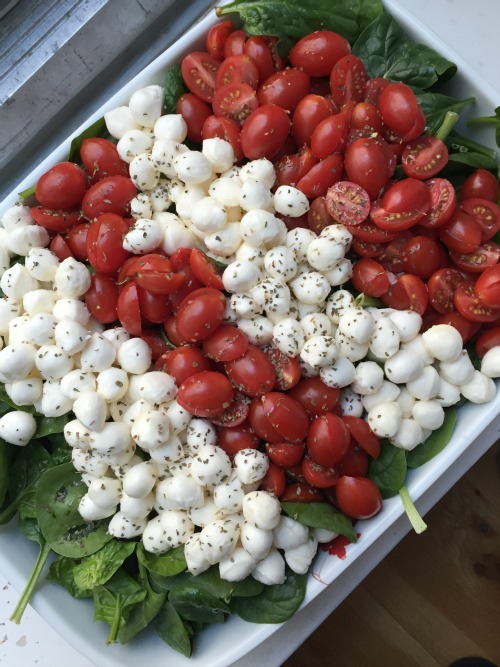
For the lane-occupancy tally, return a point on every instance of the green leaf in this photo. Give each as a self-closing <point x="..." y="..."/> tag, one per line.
<point x="388" y="52"/>
<point x="114" y="602"/>
<point x="97" y="129"/>
<point x="168" y="564"/>
<point x="435" y="443"/>
<point x="30" y="529"/>
<point x="321" y="515"/>
<point x="208" y="581"/>
<point x="59" y="492"/>
<point x="290" y="20"/>
<point x="247" y="587"/>
<point x="61" y="571"/>
<point x="435" y="106"/>
<point x="5" y="398"/>
<point x="99" y="567"/>
<point x="195" y="604"/>
<point x="487" y="120"/>
<point x="143" y="613"/>
<point x="275" y="604"/>
<point x="49" y="425"/>
<point x="59" y="449"/>
<point x="173" y="87"/>
<point x="32" y="582"/>
<point x="5" y="458"/>
<point x="473" y="160"/>
<point x="173" y="630"/>
<point x="389" y="470"/>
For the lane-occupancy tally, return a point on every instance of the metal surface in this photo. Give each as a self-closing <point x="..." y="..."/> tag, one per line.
<point x="59" y="59"/>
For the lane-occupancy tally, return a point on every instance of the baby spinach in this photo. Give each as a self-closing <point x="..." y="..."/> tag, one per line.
<point x="142" y="613"/>
<point x="195" y="604"/>
<point x="435" y="105"/>
<point x="174" y="630"/>
<point x="173" y="88"/>
<point x="97" y="568"/>
<point x="321" y="515"/>
<point x="387" y="51"/>
<point x="275" y="604"/>
<point x="62" y="571"/>
<point x="114" y="602"/>
<point x="435" y="443"/>
<point x="388" y="471"/>
<point x="49" y="425"/>
<point x="168" y="564"/>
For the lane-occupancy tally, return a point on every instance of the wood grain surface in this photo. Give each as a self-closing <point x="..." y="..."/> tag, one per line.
<point x="435" y="598"/>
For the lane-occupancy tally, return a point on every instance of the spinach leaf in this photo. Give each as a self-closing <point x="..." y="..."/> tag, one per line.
<point x="96" y="569"/>
<point x="59" y="492"/>
<point x="142" y="613"/>
<point x="195" y="604"/>
<point x="49" y="425"/>
<point x="435" y="106"/>
<point x="387" y="51"/>
<point x="321" y="515"/>
<point x="61" y="570"/>
<point x="5" y="458"/>
<point x="389" y="470"/>
<point x="30" y="529"/>
<point x="208" y="582"/>
<point x="173" y="87"/>
<point x="290" y="20"/>
<point x="435" y="443"/>
<point x="488" y="120"/>
<point x="59" y="449"/>
<point x="114" y="602"/>
<point x="472" y="160"/>
<point x="32" y="582"/>
<point x="275" y="604"/>
<point x="168" y="564"/>
<point x="174" y="630"/>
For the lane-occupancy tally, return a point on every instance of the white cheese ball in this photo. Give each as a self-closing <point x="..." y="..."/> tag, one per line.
<point x="408" y="436"/>
<point x="98" y="354"/>
<point x="90" y="409"/>
<point x="288" y="336"/>
<point x="428" y="414"/>
<point x="311" y="287"/>
<point x="385" y="419"/>
<point x="460" y="371"/>
<point x="16" y="281"/>
<point x="53" y="402"/>
<point x="136" y="508"/>
<point x="218" y="539"/>
<point x="195" y="558"/>
<point x="180" y="492"/>
<point x="403" y="366"/>
<point x="219" y="153"/>
<point x="480" y="389"/>
<point x="134" y="356"/>
<point x="167" y="453"/>
<point x="71" y="336"/>
<point x="9" y="310"/>
<point x="443" y="342"/>
<point x="271" y="569"/>
<point x="226" y="241"/>
<point x="259" y="227"/>
<point x="290" y="201"/>
<point x="387" y="393"/>
<point x="171" y="126"/>
<point x="16" y="334"/>
<point x="240" y="276"/>
<point x="53" y="362"/>
<point x="90" y="511"/>
<point x="273" y="296"/>
<point x="132" y="143"/>
<point x="140" y="206"/>
<point x="298" y="240"/>
<point x="210" y="466"/>
<point x="261" y="170"/>
<point x="159" y="197"/>
<point x="208" y="215"/>
<point x="228" y="496"/>
<point x="16" y="216"/>
<point x="113" y="438"/>
<point x="146" y="105"/>
<point x="316" y="324"/>
<point x="105" y="491"/>
<point x="23" y="239"/>
<point x="17" y="361"/>
<point x="319" y="351"/>
<point x="300" y="558"/>
<point x="72" y="278"/>
<point x="17" y="427"/>
<point x="339" y="374"/>
<point x="250" y="465"/>
<point x="385" y="339"/>
<point x="143" y="237"/>
<point x="163" y="152"/>
<point x="238" y="565"/>
<point x="259" y="330"/>
<point x="126" y="528"/>
<point x="89" y="463"/>
<point x="256" y="541"/>
<point x="41" y="328"/>
<point x="289" y="533"/>
<point x="490" y="363"/>
<point x="262" y="509"/>
<point x="76" y="435"/>
<point x="226" y="191"/>
<point x="112" y="384"/>
<point x="119" y="121"/>
<point x="254" y="195"/>
<point x="117" y="336"/>
<point x="338" y="302"/>
<point x="408" y="323"/>
<point x="192" y="167"/>
<point x="25" y="392"/>
<point x="39" y="301"/>
<point x="200" y="433"/>
<point x="243" y="305"/>
<point x="356" y="324"/>
<point x="324" y="253"/>
<point x="417" y="346"/>
<point x="280" y="263"/>
<point x="175" y="234"/>
<point x="150" y="430"/>
<point x="447" y="394"/>
<point x="368" y="378"/>
<point x="144" y="172"/>
<point x="340" y="273"/>
<point x="139" y="480"/>
<point x="349" y="348"/>
<point x="178" y="417"/>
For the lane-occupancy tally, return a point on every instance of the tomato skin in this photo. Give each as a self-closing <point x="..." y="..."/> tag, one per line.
<point x="301" y="492"/>
<point x="102" y="297"/>
<point x="330" y="135"/>
<point x="182" y="362"/>
<point x="60" y="248"/>
<point x="195" y="112"/>
<point x="55" y="221"/>
<point x="308" y="113"/>
<point x="354" y="464"/>
<point x="285" y="454"/>
<point x="369" y="162"/>
<point x="358" y="497"/>
<point x="485" y="214"/>
<point x="253" y="373"/>
<point x="481" y="183"/>
<point x="409" y="292"/>
<point x="403" y="205"/>
<point x="368" y="232"/>
<point x="264" y="132"/>
<point x="365" y="116"/>
<point x="424" y="157"/>
<point x="237" y="69"/>
<point x="328" y="440"/>
<point x="471" y="307"/>
<point x="226" y="343"/>
<point x="235" y="414"/>
<point x="285" y="88"/>
<point x="460" y="234"/>
<point x="398" y="107"/>
<point x="235" y="101"/>
<point x="369" y="277"/>
<point x="317" y="475"/>
<point x="62" y="186"/>
<point x="487" y="286"/>
<point x="318" y="216"/>
<point x="291" y="168"/>
<point x="152" y="336"/>
<point x="170" y="327"/>
<point x="109" y="195"/>
<point x="287" y="369"/>
<point x="274" y="480"/>
<point x="189" y="285"/>
<point x="223" y="128"/>
<point x="101" y="159"/>
<point x="261" y="424"/>
<point x="235" y="43"/>
<point x="199" y="317"/>
<point x="443" y="202"/>
<point x="205" y="394"/>
<point x="485" y="255"/>
<point x="128" y="310"/>
<point x="155" y="308"/>
<point x="348" y="79"/>
<point x="315" y="396"/>
<point x="441" y="286"/>
<point x="105" y="242"/>
<point x="362" y="434"/>
<point x="205" y="269"/>
<point x="233" y="439"/>
<point x="317" y="52"/>
<point x="199" y="70"/>
<point x="286" y="415"/>
<point x="347" y="202"/>
<point x="420" y="256"/>
<point x="217" y="37"/>
<point x="258" y="49"/>
<point x="76" y="238"/>
<point x="488" y="339"/>
<point x="322" y="176"/>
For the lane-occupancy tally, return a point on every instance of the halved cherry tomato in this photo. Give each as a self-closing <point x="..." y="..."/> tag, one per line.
<point x="471" y="307"/>
<point x="358" y="497"/>
<point x="102" y="297"/>
<point x="173" y="335"/>
<point x="369" y="277"/>
<point x="328" y="439"/>
<point x="205" y="394"/>
<point x="233" y="439"/>
<point x="354" y="464"/>
<point x="105" y="242"/>
<point x="235" y="101"/>
<point x="390" y="257"/>
<point x="195" y="112"/>
<point x="443" y="201"/>
<point x="461" y="234"/>
<point x="374" y="88"/>
<point x="347" y="203"/>
<point x="362" y="434"/>
<point x="285" y="88"/>
<point x="367" y="249"/>
<point x="158" y="345"/>
<point x="317" y="52"/>
<point x="76" y="238"/>
<point x="260" y="423"/>
<point x="152" y="272"/>
<point x="487" y="286"/>
<point x="287" y="369"/>
<point x="488" y="339"/>
<point x="315" y="396"/>
<point x="109" y="195"/>
<point x="442" y="285"/>
<point x="407" y="293"/>
<point x="264" y="132"/>
<point x="368" y="232"/>
<point x="317" y="475"/>
<point x="258" y="49"/>
<point x="486" y="215"/>
<point x="62" y="186"/>
<point x="403" y="205"/>
<point x="318" y="216"/>
<point x="285" y="454"/>
<point x="237" y="69"/>
<point x="182" y="362"/>
<point x="286" y="415"/>
<point x="199" y="70"/>
<point x="226" y="343"/>
<point x="155" y="308"/>
<point x="348" y="79"/>
<point x="216" y="38"/>
<point x="253" y="373"/>
<point x="301" y="492"/>
<point x="308" y="113"/>
<point x="421" y="256"/>
<point x="321" y="177"/>
<point x="481" y="183"/>
<point x="205" y="269"/>
<point x="101" y="159"/>
<point x="424" y="157"/>
<point x="291" y="168"/>
<point x="399" y="108"/>
<point x="330" y="135"/>
<point x="60" y="248"/>
<point x="235" y="414"/>
<point x="485" y="255"/>
<point x="274" y="480"/>
<point x="370" y="162"/>
<point x="235" y="43"/>
<point x="55" y="221"/>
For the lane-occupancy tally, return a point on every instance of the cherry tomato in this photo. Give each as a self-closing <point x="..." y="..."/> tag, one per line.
<point x="369" y="277"/>
<point x="128" y="310"/>
<point x="285" y="88"/>
<point x="399" y="108"/>
<point x="235" y="43"/>
<point x="217" y="37"/>
<point x="101" y="159"/>
<point x="321" y="177"/>
<point x="223" y="128"/>
<point x="368" y="232"/>
<point x="291" y="168"/>
<point x="62" y="186"/>
<point x="205" y="269"/>
<point x="233" y="439"/>
<point x="105" y="242"/>
<point x="330" y="135"/>
<point x="354" y="464"/>
<point x="109" y="195"/>
<point x="258" y="49"/>
<point x="318" y="52"/>
<point x="362" y="434"/>
<point x="407" y="293"/>
<point x="190" y="284"/>
<point x="153" y="273"/>
<point x="370" y="163"/>
<point x="315" y="396"/>
<point x="203" y="291"/>
<point x="403" y="204"/>
<point x="199" y="317"/>
<point x="460" y="234"/>
<point x="317" y="475"/>
<point x="180" y="259"/>
<point x="487" y="286"/>
<point x="348" y="203"/>
<point x="485" y="255"/>
<point x="308" y="113"/>
<point x="253" y="373"/>
<point x="488" y="339"/>
<point x="153" y="337"/>
<point x="367" y="249"/>
<point x="365" y="116"/>
<point x="154" y="307"/>
<point x="374" y="88"/>
<point x="486" y="215"/>
<point x="102" y="297"/>
<point x="182" y="362"/>
<point x="287" y="369"/>
<point x="170" y="327"/>
<point x="264" y="132"/>
<point x="358" y="497"/>
<point x="261" y="424"/>
<point x="301" y="492"/>
<point x="55" y="221"/>
<point x="443" y="201"/>
<point x="205" y="394"/>
<point x="76" y="238"/>
<point x="481" y="183"/>
<point x="470" y="306"/>
<point x="318" y="216"/>
<point x="285" y="454"/>
<point x="274" y="480"/>
<point x="391" y="257"/>
<point x="195" y="112"/>
<point x="60" y="248"/>
<point x="420" y="256"/>
<point x="235" y="414"/>
<point x="348" y="79"/>
<point x="286" y="415"/>
<point x="199" y="70"/>
<point x="442" y="285"/>
<point x="226" y="343"/>
<point x="424" y="157"/>
<point x="237" y="69"/>
<point x="328" y="439"/>
<point x="235" y="101"/>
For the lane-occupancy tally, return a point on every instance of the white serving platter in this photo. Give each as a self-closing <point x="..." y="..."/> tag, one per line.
<point x="332" y="579"/>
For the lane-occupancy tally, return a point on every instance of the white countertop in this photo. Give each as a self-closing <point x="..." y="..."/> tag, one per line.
<point x="469" y="28"/>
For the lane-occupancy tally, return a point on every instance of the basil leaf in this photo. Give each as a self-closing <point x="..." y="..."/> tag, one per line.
<point x="389" y="470"/>
<point x="196" y="604"/>
<point x="173" y="87"/>
<point x="174" y="630"/>
<point x="435" y="106"/>
<point x="96" y="569"/>
<point x="321" y="515"/>
<point x="435" y="443"/>
<point x="275" y="604"/>
<point x="388" y="52"/>
<point x="208" y="581"/>
<point x="168" y="564"/>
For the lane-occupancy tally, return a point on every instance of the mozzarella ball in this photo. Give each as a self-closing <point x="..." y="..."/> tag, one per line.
<point x="175" y="234"/>
<point x="259" y="330"/>
<point x="119" y="121"/>
<point x="143" y="237"/>
<point x="134" y="356"/>
<point x="98" y="354"/>
<point x="289" y="533"/>
<point x="132" y="143"/>
<point x="192" y="167"/>
<point x="261" y="170"/>
<point x="71" y="309"/>
<point x="139" y="480"/>
<point x="210" y="466"/>
<point x="288" y="336"/>
<point x="226" y="241"/>
<point x="17" y="427"/>
<point x="460" y="371"/>
<point x="339" y="374"/>
<point x="16" y="361"/>
<point x="180" y="492"/>
<point x="90" y="409"/>
<point x="408" y="436"/>
<point x="171" y="126"/>
<point x="480" y="389"/>
<point x="443" y="341"/>
<point x="150" y="430"/>
<point x="319" y="351"/>
<point x="259" y="227"/>
<point x="250" y="465"/>
<point x="53" y="402"/>
<point x="240" y="276"/>
<point x="218" y="539"/>
<point x="490" y="363"/>
<point x="71" y="336"/>
<point x="195" y="558"/>
<point x="219" y="153"/>
<point x="300" y="558"/>
<point x="368" y="378"/>
<point x="385" y="419"/>
<point x="25" y="392"/>
<point x="237" y="566"/>
<point x="338" y="302"/>
<point x="200" y="432"/>
<point x="144" y="172"/>
<point x="9" y="310"/>
<point x="125" y="527"/>
<point x="254" y="195"/>
<point x="403" y="366"/>
<point x="90" y="511"/>
<point x="146" y="104"/>
<point x="280" y="263"/>
<point x="23" y="239"/>
<point x="16" y="281"/>
<point x="311" y="287"/>
<point x="271" y="569"/>
<point x="385" y="339"/>
<point x="290" y="201"/>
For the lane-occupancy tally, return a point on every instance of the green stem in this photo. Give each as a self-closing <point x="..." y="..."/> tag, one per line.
<point x="416" y="520"/>
<point x="483" y="120"/>
<point x="449" y="122"/>
<point x="115" y="625"/>
<point x="469" y="145"/>
<point x="29" y="589"/>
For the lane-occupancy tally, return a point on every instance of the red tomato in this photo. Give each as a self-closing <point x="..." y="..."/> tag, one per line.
<point x="330" y="135"/>
<point x="318" y="52"/>
<point x="358" y="497"/>
<point x="261" y="424"/>
<point x="258" y="49"/>
<point x="301" y="492"/>
<point x="443" y="201"/>
<point x="441" y="286"/>
<point x="354" y="464"/>
<point x="105" y="242"/>
<point x="235" y="101"/>
<point x="55" y="221"/>
<point x="308" y="113"/>
<point x="128" y="310"/>
<point x="155" y="308"/>
<point x="286" y="415"/>
<point x="153" y="273"/>
<point x="403" y="204"/>
<point x="195" y="112"/>
<point x="223" y="128"/>
<point x="424" y="157"/>
<point x="173" y="335"/>
<point x="399" y="108"/>
<point x="253" y="373"/>
<point x="101" y="159"/>
<point x="369" y="162"/>
<point x="470" y="306"/>
<point x="318" y="216"/>
<point x="62" y="186"/>
<point x="233" y="439"/>
<point x="76" y="238"/>
<point x="199" y="70"/>
<point x="487" y="286"/>
<point x="367" y="249"/>
<point x="390" y="257"/>
<point x="180" y="259"/>
<point x="321" y="177"/>
<point x="486" y="215"/>
<point x="182" y="362"/>
<point x="315" y="396"/>
<point x="317" y="475"/>
<point x="369" y="277"/>
<point x="235" y="43"/>
<point x="421" y="256"/>
<point x="328" y="439"/>
<point x="274" y="480"/>
<point x="365" y="116"/>
<point x="362" y="434"/>
<point x="235" y="414"/>
<point x="407" y="293"/>
<point x="285" y="88"/>
<point x="374" y="88"/>
<point x="460" y="234"/>
<point x="348" y="80"/>
<point x="226" y="343"/>
<point x="481" y="183"/>
<point x="264" y="132"/>
<point x="368" y="232"/>
<point x="487" y="254"/>
<point x="205" y="269"/>
<point x="217" y="37"/>
<point x="109" y="195"/>
<point x="203" y="291"/>
<point x="285" y="454"/>
<point x="153" y="337"/>
<point x="487" y="340"/>
<point x="190" y="284"/>
<point x="60" y="248"/>
<point x="102" y="297"/>
<point x="199" y="317"/>
<point x="237" y="69"/>
<point x="291" y="168"/>
<point x="205" y="394"/>
<point x="347" y="203"/>
<point x="287" y="369"/>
